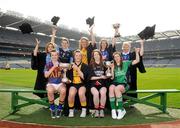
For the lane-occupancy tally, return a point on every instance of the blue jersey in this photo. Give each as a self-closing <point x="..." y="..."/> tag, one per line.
<point x="105" y="55"/>
<point x="55" y="76"/>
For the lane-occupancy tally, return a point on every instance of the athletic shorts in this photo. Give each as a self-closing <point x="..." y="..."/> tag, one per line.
<point x="77" y="86"/>
<point x="126" y="86"/>
<point x="56" y="86"/>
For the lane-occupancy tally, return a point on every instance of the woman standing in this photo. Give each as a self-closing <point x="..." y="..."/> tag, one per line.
<point x="38" y="62"/>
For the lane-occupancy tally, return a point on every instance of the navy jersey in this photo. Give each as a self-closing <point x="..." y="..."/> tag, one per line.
<point x="65" y="56"/>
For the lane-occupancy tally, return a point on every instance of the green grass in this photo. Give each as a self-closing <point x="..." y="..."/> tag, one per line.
<point x="155" y="78"/>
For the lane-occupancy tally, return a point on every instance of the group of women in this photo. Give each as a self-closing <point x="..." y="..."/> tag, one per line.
<point x="88" y="82"/>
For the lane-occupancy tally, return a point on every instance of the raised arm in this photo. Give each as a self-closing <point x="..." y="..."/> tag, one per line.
<point x="137" y="57"/>
<point x="142" y="47"/>
<point x="54" y="30"/>
<point x="93" y="40"/>
<point x="114" y="40"/>
<point x="36" y="47"/>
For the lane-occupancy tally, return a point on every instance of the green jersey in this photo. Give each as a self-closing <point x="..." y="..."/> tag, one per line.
<point x="120" y="74"/>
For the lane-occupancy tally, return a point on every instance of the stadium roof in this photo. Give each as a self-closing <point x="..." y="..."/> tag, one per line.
<point x="12" y="20"/>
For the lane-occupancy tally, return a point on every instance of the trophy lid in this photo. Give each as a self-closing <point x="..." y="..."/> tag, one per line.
<point x="90" y="21"/>
<point x="55" y="19"/>
<point x="147" y="33"/>
<point x="25" y="28"/>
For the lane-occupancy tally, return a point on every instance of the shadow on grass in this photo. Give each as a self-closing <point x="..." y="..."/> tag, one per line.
<point x="133" y="116"/>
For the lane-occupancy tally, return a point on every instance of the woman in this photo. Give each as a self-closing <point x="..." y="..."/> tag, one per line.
<point x="78" y="76"/>
<point x="65" y="54"/>
<point x="53" y="72"/>
<point x="105" y="49"/>
<point x="119" y="84"/>
<point x="132" y="73"/>
<point x="98" y="83"/>
<point x="38" y="61"/>
<point x="86" y="48"/>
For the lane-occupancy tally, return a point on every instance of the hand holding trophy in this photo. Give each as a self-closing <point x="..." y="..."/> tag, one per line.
<point x="108" y="65"/>
<point x="116" y="27"/>
<point x="65" y="67"/>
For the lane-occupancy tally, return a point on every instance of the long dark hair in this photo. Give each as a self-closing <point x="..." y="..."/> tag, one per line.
<point x="92" y="62"/>
<point x="100" y="43"/>
<point x="121" y="63"/>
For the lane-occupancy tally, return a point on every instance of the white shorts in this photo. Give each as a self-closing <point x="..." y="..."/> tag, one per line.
<point x="56" y="86"/>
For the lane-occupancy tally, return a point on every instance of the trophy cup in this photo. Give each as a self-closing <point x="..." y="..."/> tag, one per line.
<point x="108" y="72"/>
<point x="116" y="27"/>
<point x="64" y="66"/>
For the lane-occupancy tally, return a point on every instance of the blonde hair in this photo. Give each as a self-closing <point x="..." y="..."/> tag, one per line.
<point x="83" y="38"/>
<point x="65" y="39"/>
<point x="126" y="43"/>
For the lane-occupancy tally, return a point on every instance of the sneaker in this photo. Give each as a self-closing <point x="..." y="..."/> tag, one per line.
<point x="71" y="113"/>
<point x="101" y="113"/>
<point x="58" y="113"/>
<point x="96" y="114"/>
<point x="83" y="113"/>
<point x="121" y="114"/>
<point x="113" y="113"/>
<point x="53" y="114"/>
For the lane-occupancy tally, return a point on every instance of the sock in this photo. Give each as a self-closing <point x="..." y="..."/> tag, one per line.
<point x="83" y="104"/>
<point x="71" y="105"/>
<point x="52" y="107"/>
<point x="102" y="107"/>
<point x="120" y="103"/>
<point x="112" y="103"/>
<point x="60" y="106"/>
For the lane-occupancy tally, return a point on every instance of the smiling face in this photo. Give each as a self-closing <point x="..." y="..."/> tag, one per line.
<point x="103" y="44"/>
<point x="97" y="56"/>
<point x="64" y="44"/>
<point x="126" y="47"/>
<point x="49" y="48"/>
<point x="117" y="58"/>
<point x="77" y="56"/>
<point x="54" y="56"/>
<point x="84" y="43"/>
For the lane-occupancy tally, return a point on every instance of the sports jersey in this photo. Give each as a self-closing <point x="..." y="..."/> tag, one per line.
<point x="120" y="74"/>
<point x="55" y="76"/>
<point x="125" y="57"/>
<point x="65" y="56"/>
<point x="48" y="58"/>
<point x="105" y="55"/>
<point x="76" y="77"/>
<point x="84" y="56"/>
<point x="97" y="70"/>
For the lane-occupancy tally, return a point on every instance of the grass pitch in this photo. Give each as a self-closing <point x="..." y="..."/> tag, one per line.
<point x="155" y="78"/>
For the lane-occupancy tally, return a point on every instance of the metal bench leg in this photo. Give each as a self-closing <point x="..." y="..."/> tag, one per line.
<point x="14" y="102"/>
<point x="163" y="101"/>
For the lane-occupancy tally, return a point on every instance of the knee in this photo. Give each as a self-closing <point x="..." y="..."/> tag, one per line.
<point x="103" y="93"/>
<point x="81" y="93"/>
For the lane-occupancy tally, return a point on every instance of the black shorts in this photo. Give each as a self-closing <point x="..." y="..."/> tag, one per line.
<point x="98" y="87"/>
<point x="77" y="86"/>
<point x="126" y="86"/>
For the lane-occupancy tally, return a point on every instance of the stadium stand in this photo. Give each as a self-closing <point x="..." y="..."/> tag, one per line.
<point x="161" y="51"/>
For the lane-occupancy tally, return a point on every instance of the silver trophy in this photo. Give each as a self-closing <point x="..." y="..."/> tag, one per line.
<point x="65" y="67"/>
<point x="108" y="65"/>
<point x="116" y="27"/>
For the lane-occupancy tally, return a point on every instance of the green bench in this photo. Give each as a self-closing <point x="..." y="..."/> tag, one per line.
<point x="162" y="93"/>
